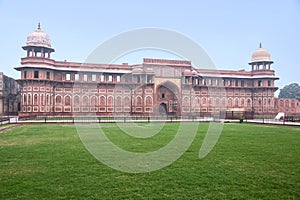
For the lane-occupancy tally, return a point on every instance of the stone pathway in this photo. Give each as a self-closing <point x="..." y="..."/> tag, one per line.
<point x="7" y="128"/>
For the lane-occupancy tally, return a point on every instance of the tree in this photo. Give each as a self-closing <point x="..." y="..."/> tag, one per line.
<point x="290" y="91"/>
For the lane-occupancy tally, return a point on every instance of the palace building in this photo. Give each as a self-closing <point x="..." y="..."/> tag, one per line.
<point x="154" y="87"/>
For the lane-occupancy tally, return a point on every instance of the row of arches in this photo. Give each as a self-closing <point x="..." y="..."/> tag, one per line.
<point x="85" y="100"/>
<point x="263" y="102"/>
<point x="216" y="102"/>
<point x="138" y="101"/>
<point x="227" y="102"/>
<point x="37" y="99"/>
<point x="287" y="103"/>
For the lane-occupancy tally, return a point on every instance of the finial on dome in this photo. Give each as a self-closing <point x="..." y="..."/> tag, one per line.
<point x="260" y="45"/>
<point x="39" y="26"/>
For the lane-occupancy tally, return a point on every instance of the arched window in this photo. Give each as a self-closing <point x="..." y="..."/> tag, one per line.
<point x="127" y="101"/>
<point x="210" y="101"/>
<point x="242" y="102"/>
<point x="58" y="99"/>
<point x="24" y="99"/>
<point x="94" y="101"/>
<point x="47" y="99"/>
<point x="204" y="101"/>
<point x="224" y="102"/>
<point x="76" y="100"/>
<point x="230" y="103"/>
<point x="102" y="101"/>
<point x="110" y="101"/>
<point x="281" y="103"/>
<point x="85" y="101"/>
<point x="186" y="101"/>
<point x="29" y="99"/>
<point x="67" y="100"/>
<point x="42" y="100"/>
<point x="35" y="99"/>
<point x="236" y="103"/>
<point x="138" y="101"/>
<point x="248" y="103"/>
<point x="118" y="101"/>
<point x="293" y="104"/>
<point x="287" y="103"/>
<point x="217" y="102"/>
<point x="195" y="102"/>
<point x="259" y="102"/>
<point x="148" y="101"/>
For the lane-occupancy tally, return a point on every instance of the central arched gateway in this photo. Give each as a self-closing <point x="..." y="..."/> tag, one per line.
<point x="167" y="95"/>
<point x="162" y="109"/>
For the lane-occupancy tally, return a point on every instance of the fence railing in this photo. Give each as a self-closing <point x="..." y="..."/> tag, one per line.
<point x="4" y="120"/>
<point x="225" y="116"/>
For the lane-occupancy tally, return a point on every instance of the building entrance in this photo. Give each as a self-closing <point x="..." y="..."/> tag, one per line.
<point x="167" y="99"/>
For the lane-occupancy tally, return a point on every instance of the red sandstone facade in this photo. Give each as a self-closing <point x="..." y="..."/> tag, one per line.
<point x="154" y="87"/>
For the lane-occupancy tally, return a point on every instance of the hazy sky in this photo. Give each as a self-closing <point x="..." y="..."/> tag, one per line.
<point x="229" y="31"/>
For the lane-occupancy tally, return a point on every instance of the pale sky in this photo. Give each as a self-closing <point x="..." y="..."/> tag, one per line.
<point x="229" y="31"/>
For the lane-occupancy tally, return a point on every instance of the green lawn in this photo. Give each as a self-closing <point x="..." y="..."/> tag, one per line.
<point x="248" y="162"/>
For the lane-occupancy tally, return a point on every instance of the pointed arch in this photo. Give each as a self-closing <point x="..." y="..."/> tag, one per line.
<point x="186" y="101"/>
<point x="58" y="99"/>
<point x="29" y="99"/>
<point x="67" y="100"/>
<point x="110" y="101"/>
<point x="204" y="100"/>
<point x="35" y="99"/>
<point x="94" y="101"/>
<point x="76" y="100"/>
<point x="139" y="101"/>
<point x="102" y="101"/>
<point x="236" y="102"/>
<point x="127" y="101"/>
<point x="118" y="101"/>
<point x="217" y="102"/>
<point x="148" y="101"/>
<point x="224" y="104"/>
<point x="249" y="102"/>
<point x="230" y="102"/>
<point x="24" y="99"/>
<point x="42" y="99"/>
<point x="47" y="99"/>
<point x="85" y="100"/>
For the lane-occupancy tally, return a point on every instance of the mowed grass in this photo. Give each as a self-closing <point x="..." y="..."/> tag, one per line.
<point x="248" y="162"/>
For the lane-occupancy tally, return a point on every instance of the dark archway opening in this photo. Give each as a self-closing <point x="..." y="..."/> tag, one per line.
<point x="162" y="109"/>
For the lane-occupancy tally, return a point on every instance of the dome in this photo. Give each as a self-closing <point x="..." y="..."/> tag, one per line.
<point x="261" y="55"/>
<point x="38" y="38"/>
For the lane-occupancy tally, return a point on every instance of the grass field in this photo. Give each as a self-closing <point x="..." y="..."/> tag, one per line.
<point x="248" y="162"/>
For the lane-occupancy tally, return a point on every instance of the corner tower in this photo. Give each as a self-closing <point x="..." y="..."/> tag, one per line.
<point x="263" y="78"/>
<point x="37" y="74"/>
